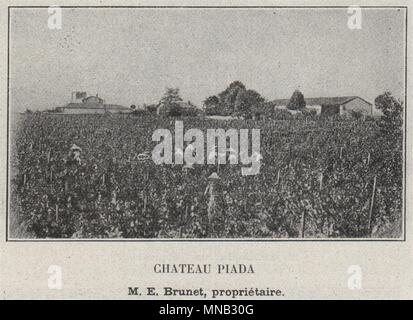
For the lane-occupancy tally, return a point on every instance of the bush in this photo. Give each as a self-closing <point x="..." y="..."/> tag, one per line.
<point x="356" y="114"/>
<point x="282" y="115"/>
<point x="139" y="112"/>
<point x="311" y="113"/>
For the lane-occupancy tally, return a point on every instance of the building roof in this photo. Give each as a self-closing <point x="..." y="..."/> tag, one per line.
<point x="319" y="101"/>
<point x="92" y="98"/>
<point x="74" y="105"/>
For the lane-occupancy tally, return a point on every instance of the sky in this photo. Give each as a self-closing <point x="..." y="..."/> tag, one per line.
<point x="129" y="56"/>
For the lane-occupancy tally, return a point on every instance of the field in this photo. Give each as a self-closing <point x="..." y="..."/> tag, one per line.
<point x="324" y="178"/>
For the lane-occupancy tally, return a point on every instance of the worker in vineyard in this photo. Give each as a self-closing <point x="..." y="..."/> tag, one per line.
<point x="211" y="190"/>
<point x="74" y="155"/>
<point x="187" y="168"/>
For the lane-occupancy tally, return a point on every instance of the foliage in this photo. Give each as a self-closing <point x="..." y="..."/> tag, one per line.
<point x="280" y="114"/>
<point x="139" y="112"/>
<point x="297" y="101"/>
<point x="190" y="111"/>
<point x="169" y="103"/>
<point x="113" y="194"/>
<point x="151" y="108"/>
<point x="248" y="103"/>
<point x="310" y="113"/>
<point x="392" y="110"/>
<point x="228" y="97"/>
<point x="356" y="114"/>
<point x="211" y="104"/>
<point x="235" y="100"/>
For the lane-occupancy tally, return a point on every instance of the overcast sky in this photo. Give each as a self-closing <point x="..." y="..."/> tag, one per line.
<point x="129" y="56"/>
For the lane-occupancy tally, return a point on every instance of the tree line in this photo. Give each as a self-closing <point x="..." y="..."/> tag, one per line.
<point x="240" y="102"/>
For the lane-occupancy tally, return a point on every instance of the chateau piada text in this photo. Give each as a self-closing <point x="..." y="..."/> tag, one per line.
<point x="203" y="268"/>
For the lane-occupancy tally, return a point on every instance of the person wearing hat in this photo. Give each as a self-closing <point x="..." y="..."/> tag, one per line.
<point x="211" y="189"/>
<point x="74" y="154"/>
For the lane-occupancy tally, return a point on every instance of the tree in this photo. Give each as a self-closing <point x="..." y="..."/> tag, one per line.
<point x="297" y="101"/>
<point x="248" y="103"/>
<point x="391" y="121"/>
<point x="170" y="102"/>
<point x="235" y="100"/>
<point x="150" y="108"/>
<point x="391" y="108"/>
<point x="228" y="97"/>
<point x="211" y="104"/>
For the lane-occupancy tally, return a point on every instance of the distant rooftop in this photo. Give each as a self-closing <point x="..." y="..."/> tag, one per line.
<point x="319" y="101"/>
<point x="74" y="105"/>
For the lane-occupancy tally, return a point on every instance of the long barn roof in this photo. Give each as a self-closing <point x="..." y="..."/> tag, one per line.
<point x="319" y="101"/>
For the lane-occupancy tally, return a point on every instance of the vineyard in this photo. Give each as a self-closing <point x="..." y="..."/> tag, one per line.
<point x="319" y="178"/>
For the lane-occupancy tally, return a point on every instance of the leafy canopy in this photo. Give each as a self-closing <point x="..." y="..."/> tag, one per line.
<point x="297" y="101"/>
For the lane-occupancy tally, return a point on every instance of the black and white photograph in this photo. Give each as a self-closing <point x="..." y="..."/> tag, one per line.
<point x="197" y="123"/>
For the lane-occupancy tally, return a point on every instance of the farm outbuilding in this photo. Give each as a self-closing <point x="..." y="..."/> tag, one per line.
<point x="91" y="105"/>
<point x="331" y="105"/>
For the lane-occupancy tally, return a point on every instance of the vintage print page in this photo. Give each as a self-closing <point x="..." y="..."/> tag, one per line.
<point x="178" y="150"/>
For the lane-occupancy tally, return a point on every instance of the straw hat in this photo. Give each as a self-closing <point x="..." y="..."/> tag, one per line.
<point x="213" y="176"/>
<point x="75" y="147"/>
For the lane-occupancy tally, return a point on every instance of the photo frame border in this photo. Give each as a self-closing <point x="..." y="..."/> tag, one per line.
<point x="7" y="204"/>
